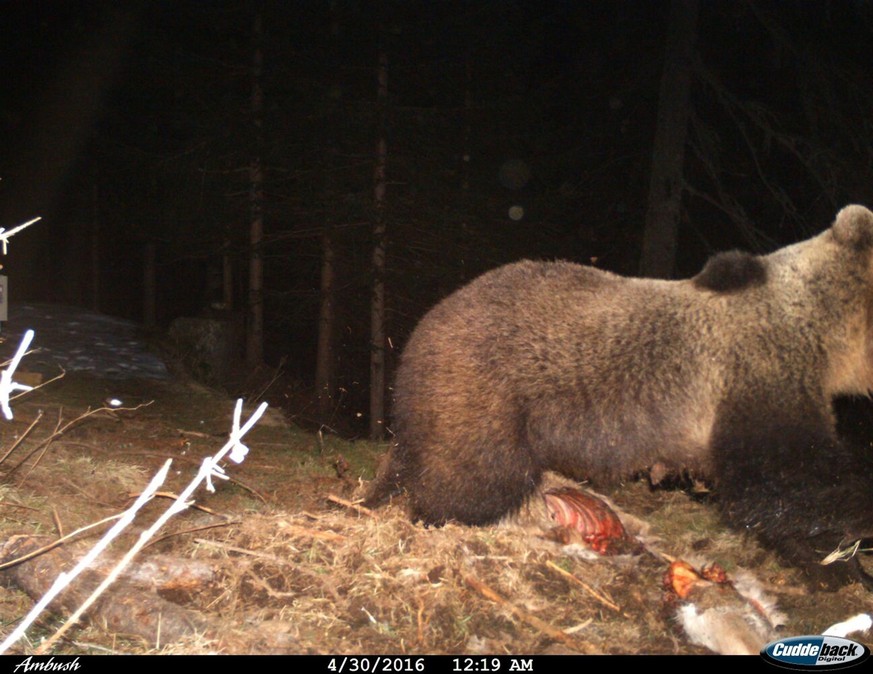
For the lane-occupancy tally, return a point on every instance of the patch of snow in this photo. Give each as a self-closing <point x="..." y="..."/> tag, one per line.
<point x="79" y="340"/>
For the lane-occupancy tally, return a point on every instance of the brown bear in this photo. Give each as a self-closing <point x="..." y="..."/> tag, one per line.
<point x="731" y="375"/>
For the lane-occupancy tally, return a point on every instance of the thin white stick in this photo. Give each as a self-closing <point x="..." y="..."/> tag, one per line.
<point x="65" y="579"/>
<point x="208" y="469"/>
<point x="4" y="235"/>
<point x="7" y="386"/>
<point x="859" y="623"/>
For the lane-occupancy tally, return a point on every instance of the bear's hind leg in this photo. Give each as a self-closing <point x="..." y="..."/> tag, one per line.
<point x="479" y="488"/>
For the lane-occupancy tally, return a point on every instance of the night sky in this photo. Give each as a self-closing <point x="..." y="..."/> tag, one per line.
<point x="514" y="130"/>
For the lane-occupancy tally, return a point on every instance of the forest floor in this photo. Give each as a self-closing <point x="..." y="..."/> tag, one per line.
<point x="292" y="567"/>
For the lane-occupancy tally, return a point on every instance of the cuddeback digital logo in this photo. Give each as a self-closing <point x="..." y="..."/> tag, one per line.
<point x="815" y="652"/>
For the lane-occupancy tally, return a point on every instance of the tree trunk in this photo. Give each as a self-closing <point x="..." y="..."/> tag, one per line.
<point x="665" y="189"/>
<point x="255" y="326"/>
<point x="227" y="298"/>
<point x="95" y="251"/>
<point x="325" y="374"/>
<point x="377" y="311"/>
<point x="149" y="286"/>
<point x="324" y="380"/>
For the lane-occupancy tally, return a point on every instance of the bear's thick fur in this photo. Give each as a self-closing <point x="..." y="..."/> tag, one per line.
<point x="731" y="375"/>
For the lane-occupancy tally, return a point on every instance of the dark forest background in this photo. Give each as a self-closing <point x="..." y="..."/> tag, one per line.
<point x="510" y="130"/>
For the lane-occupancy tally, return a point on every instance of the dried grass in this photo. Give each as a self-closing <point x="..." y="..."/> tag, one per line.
<point x="303" y="573"/>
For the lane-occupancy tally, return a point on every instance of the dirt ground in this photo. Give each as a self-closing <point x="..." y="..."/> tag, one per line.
<point x="284" y="564"/>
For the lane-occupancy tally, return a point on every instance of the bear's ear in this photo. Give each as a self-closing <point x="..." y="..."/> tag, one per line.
<point x="854" y="227"/>
<point x="730" y="272"/>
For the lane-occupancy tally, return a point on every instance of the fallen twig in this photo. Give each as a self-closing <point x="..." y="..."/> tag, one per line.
<point x="312" y="533"/>
<point x="57" y="520"/>
<point x="88" y="495"/>
<point x="174" y="496"/>
<point x="191" y="530"/>
<point x="60" y="541"/>
<point x="21" y="437"/>
<point x="352" y="505"/>
<point x="590" y="590"/>
<point x="185" y="459"/>
<point x="241" y="551"/>
<point x="6" y="504"/>
<point x="61" y="429"/>
<point x="532" y="620"/>
<point x="198" y="434"/>
<point x="41" y="384"/>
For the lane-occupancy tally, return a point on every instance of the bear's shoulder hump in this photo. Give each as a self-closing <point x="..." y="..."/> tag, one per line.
<point x="731" y="272"/>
